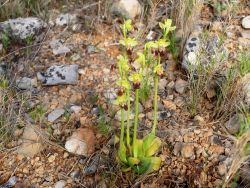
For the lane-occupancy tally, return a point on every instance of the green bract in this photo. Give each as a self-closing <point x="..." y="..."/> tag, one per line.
<point x="120" y="100"/>
<point x="123" y="83"/>
<point x="166" y="27"/>
<point x="129" y="42"/>
<point x="122" y="64"/>
<point x="127" y="26"/>
<point x="136" y="78"/>
<point x="158" y="69"/>
<point x="141" y="59"/>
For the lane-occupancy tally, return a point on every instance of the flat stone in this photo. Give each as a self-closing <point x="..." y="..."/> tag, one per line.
<point x="187" y="150"/>
<point x="75" y="109"/>
<point x="216" y="149"/>
<point x="22" y="28"/>
<point x="30" y="143"/>
<point x="246" y="22"/>
<point x="160" y="115"/>
<point x="233" y="125"/>
<point x="180" y="86"/>
<point x="59" y="75"/>
<point x="245" y="34"/>
<point x="60" y="184"/>
<point x="26" y="83"/>
<point x="55" y="114"/>
<point x="58" y="48"/>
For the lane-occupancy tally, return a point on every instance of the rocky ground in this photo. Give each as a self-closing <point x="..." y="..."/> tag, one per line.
<point x="67" y="138"/>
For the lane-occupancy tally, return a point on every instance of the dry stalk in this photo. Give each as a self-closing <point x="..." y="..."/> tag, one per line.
<point x="239" y="157"/>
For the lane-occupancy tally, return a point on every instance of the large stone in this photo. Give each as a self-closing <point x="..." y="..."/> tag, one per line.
<point x="59" y="74"/>
<point x="194" y="56"/>
<point x="10" y="183"/>
<point x="246" y="22"/>
<point x="30" y="142"/>
<point x="66" y="19"/>
<point x="82" y="142"/>
<point x="126" y="8"/>
<point x="22" y="28"/>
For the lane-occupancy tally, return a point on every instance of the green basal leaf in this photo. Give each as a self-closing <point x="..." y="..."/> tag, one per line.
<point x="148" y="165"/>
<point x="133" y="161"/>
<point x="123" y="83"/>
<point x="136" y="77"/>
<point x="122" y="153"/>
<point x="155" y="163"/>
<point x="143" y="166"/>
<point x="138" y="149"/>
<point x="151" y="145"/>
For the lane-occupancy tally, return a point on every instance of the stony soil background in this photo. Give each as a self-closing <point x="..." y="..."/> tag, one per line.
<point x="197" y="151"/>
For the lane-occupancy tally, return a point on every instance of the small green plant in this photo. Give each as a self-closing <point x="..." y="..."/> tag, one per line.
<point x="5" y="41"/>
<point x="244" y="63"/>
<point x="103" y="125"/>
<point x="139" y="154"/>
<point x="38" y="113"/>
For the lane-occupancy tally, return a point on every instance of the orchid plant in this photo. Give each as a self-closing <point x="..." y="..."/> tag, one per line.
<point x="139" y="154"/>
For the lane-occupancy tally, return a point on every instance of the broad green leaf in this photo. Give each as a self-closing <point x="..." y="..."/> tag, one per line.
<point x="151" y="145"/>
<point x="148" y="165"/>
<point x="155" y="163"/>
<point x="138" y="149"/>
<point x="143" y="166"/>
<point x="133" y="161"/>
<point x="122" y="153"/>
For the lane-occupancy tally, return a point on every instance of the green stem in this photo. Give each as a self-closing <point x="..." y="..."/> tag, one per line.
<point x="155" y="103"/>
<point x="136" y="116"/>
<point x="128" y="120"/>
<point x="122" y="127"/>
<point x="156" y="80"/>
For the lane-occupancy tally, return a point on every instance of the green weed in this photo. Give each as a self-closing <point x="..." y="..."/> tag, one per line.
<point x="38" y="113"/>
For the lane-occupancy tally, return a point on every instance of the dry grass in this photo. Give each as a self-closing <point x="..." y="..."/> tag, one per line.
<point x="239" y="156"/>
<point x="11" y="109"/>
